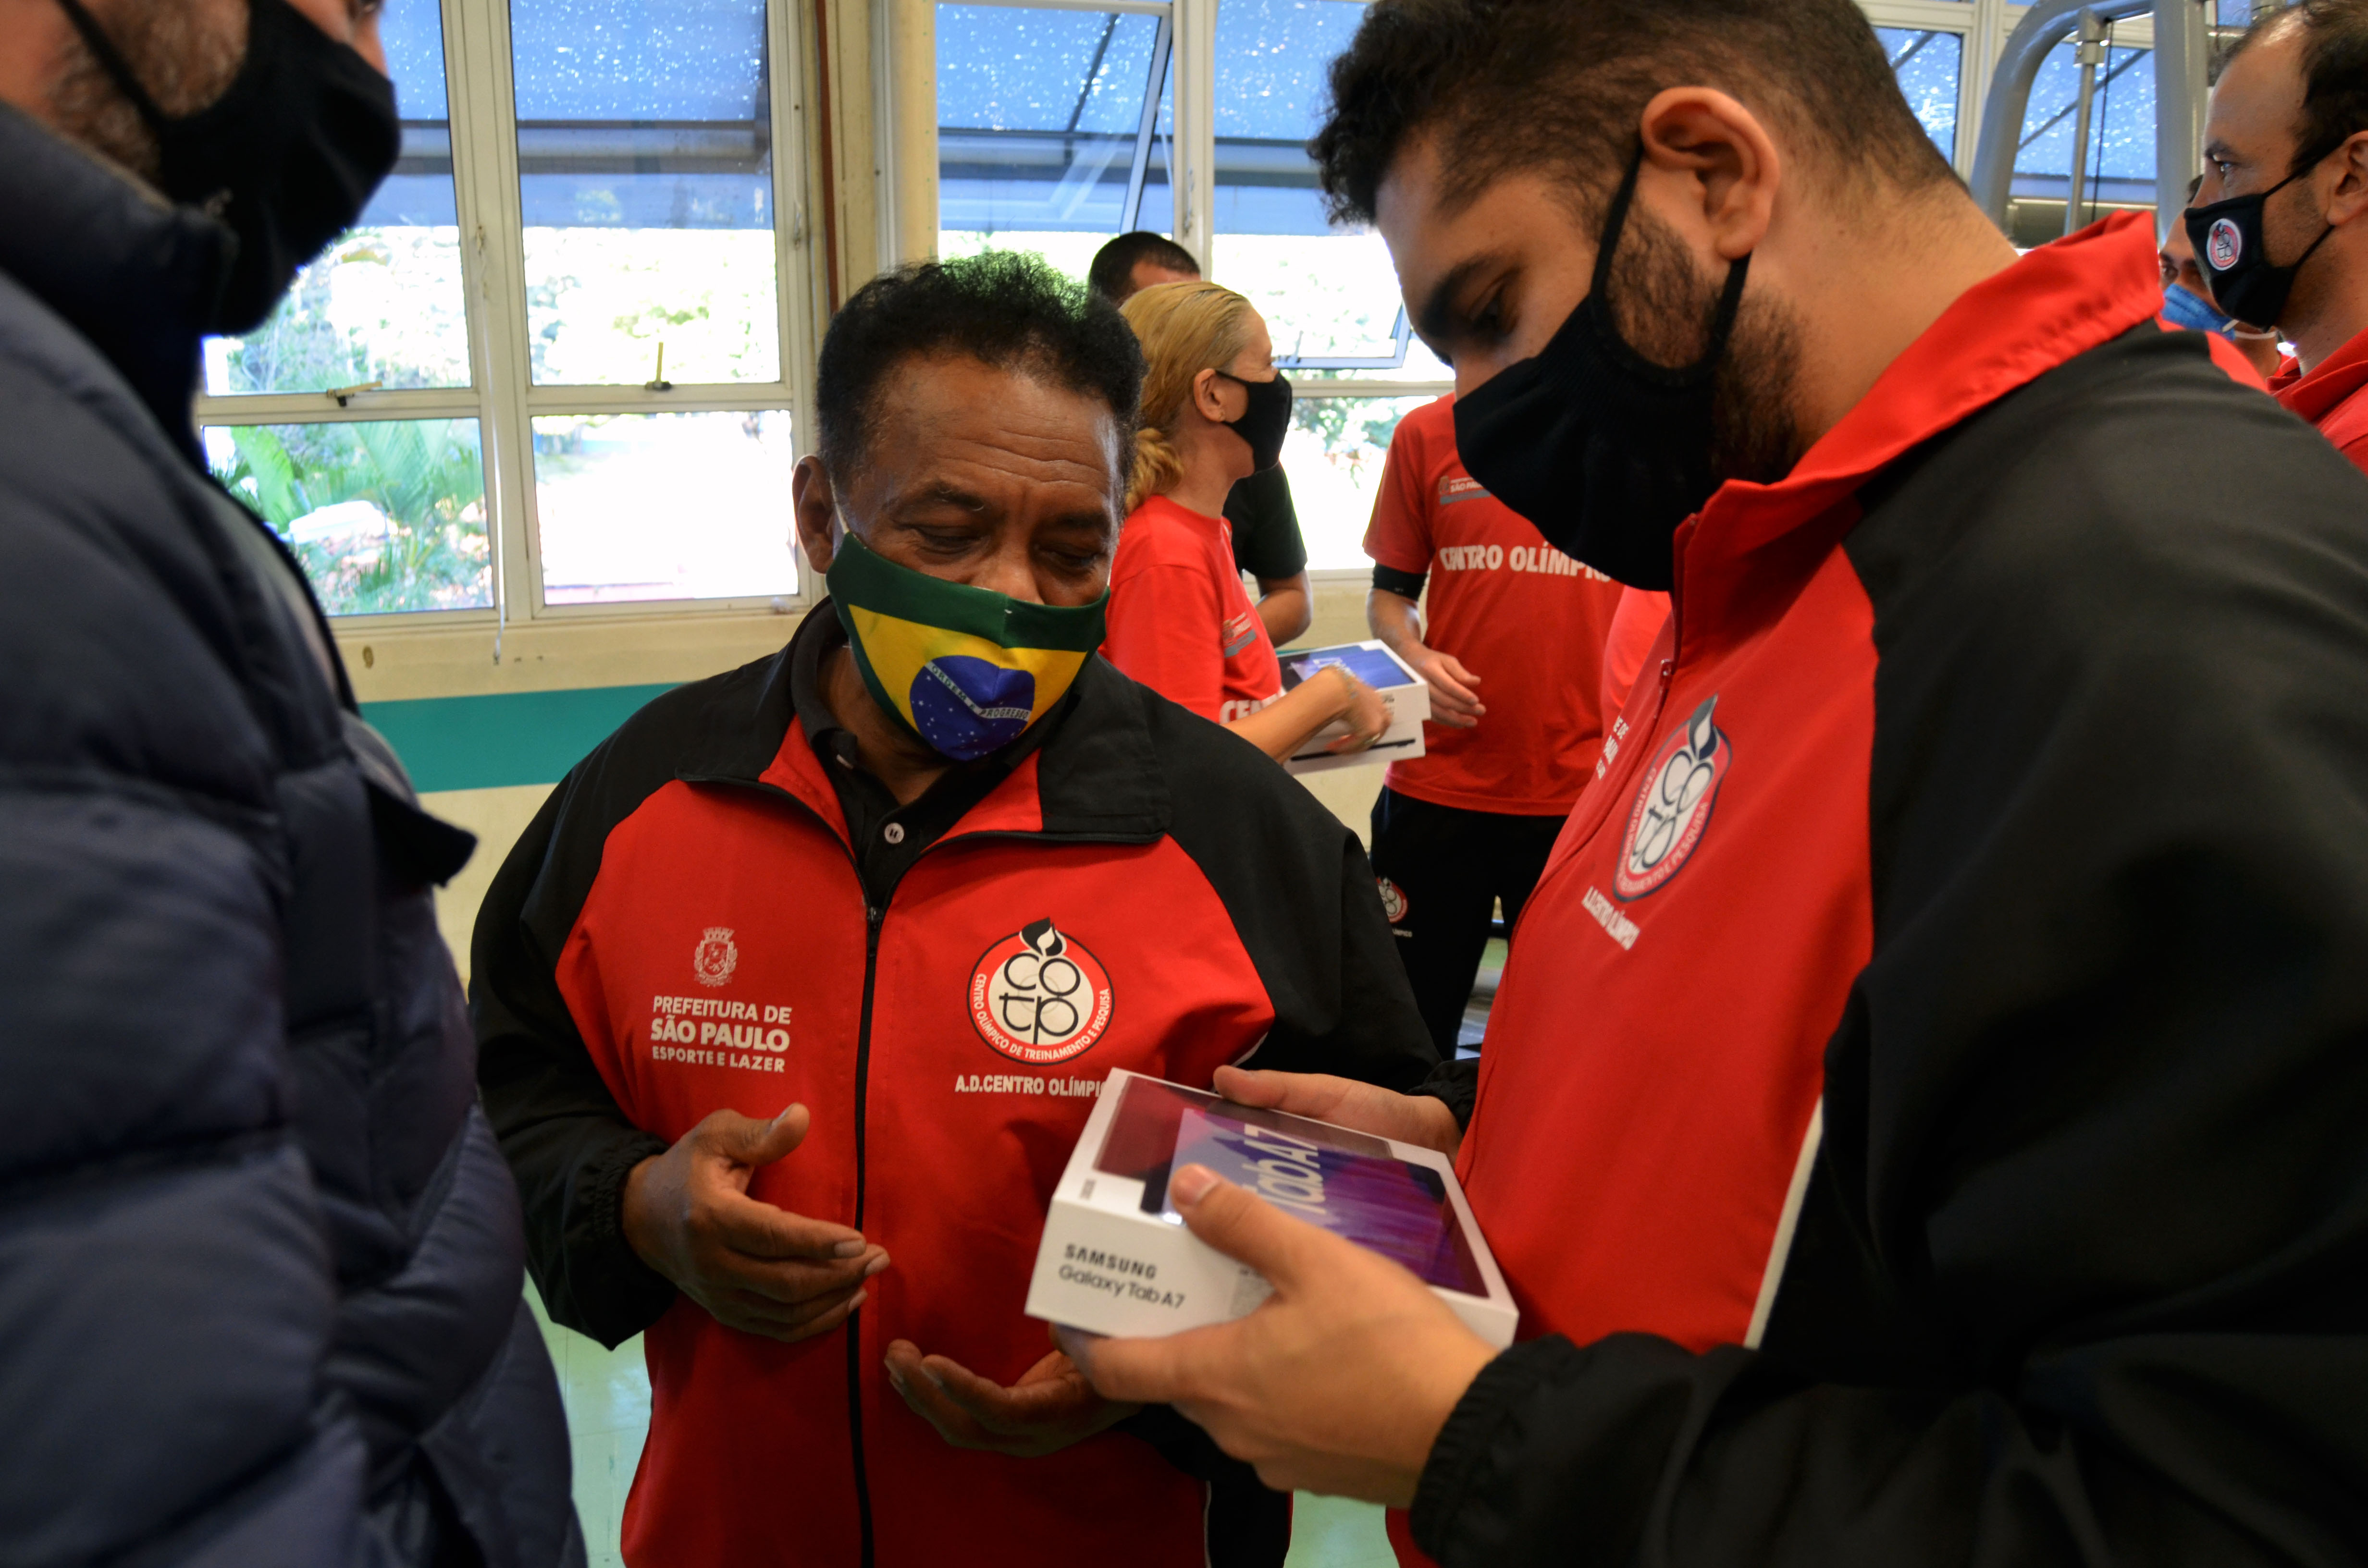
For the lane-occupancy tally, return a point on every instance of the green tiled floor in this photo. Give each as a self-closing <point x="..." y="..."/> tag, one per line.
<point x="608" y="1395"/>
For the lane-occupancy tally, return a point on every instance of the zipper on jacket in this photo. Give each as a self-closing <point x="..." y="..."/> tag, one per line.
<point x="872" y="918"/>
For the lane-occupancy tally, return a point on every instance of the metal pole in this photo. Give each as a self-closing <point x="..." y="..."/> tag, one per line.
<point x="2091" y="52"/>
<point x="2181" y="47"/>
<point x="2043" y="27"/>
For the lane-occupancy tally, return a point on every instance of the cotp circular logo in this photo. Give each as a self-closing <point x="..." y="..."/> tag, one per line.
<point x="2224" y="244"/>
<point x="1039" y="996"/>
<point x="1673" y="804"/>
<point x="1394" y="900"/>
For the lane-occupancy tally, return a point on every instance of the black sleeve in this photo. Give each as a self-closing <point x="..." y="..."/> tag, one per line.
<point x="1267" y="542"/>
<point x="1303" y="899"/>
<point x="1404" y="584"/>
<point x="2083" y="1274"/>
<point x="1457" y="1083"/>
<point x="567" y="1141"/>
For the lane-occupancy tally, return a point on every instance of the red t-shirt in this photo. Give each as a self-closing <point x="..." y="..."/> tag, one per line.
<point x="2334" y="397"/>
<point x="1180" y="620"/>
<point x="1524" y="617"/>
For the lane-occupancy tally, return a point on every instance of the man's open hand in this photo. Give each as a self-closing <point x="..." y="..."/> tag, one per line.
<point x="1338" y="1383"/>
<point x="1420" y="1119"/>
<point x="1048" y="1408"/>
<point x="752" y="1267"/>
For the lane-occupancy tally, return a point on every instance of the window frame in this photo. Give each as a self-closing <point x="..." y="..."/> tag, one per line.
<point x="502" y="396"/>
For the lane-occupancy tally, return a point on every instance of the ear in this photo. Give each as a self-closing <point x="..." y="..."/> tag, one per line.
<point x="1722" y="161"/>
<point x="814" y="507"/>
<point x="1209" y="396"/>
<point x="2348" y="199"/>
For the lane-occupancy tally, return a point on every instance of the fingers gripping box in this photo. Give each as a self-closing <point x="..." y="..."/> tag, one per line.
<point x="1117" y="1259"/>
<point x="1407" y="695"/>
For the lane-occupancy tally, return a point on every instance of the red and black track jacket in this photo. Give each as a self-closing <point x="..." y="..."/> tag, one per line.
<point x="1924" y="1120"/>
<point x="686" y="926"/>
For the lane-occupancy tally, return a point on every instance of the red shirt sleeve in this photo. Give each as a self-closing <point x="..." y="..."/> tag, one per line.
<point x="1164" y="622"/>
<point x="1399" y="537"/>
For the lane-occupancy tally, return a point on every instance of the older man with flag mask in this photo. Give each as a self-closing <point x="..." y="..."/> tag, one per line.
<point x="820" y="963"/>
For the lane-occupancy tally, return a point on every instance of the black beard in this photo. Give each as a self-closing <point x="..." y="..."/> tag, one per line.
<point x="1664" y="308"/>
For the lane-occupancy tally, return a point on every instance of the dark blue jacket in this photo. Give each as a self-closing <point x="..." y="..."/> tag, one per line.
<point x="260" y="1260"/>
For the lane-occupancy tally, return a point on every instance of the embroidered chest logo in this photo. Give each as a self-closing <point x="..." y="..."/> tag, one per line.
<point x="1673" y="804"/>
<point x="1394" y="900"/>
<point x="2224" y="244"/>
<point x="1039" y="996"/>
<point x="715" y="958"/>
<point x="1240" y="632"/>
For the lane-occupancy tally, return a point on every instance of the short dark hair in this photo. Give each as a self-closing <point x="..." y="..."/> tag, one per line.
<point x="1005" y="308"/>
<point x="1559" y="84"/>
<point x="2334" y="71"/>
<point x="1112" y="273"/>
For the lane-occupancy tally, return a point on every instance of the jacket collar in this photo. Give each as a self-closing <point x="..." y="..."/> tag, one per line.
<point x="1094" y="775"/>
<point x="130" y="272"/>
<point x="2314" y="396"/>
<point x="2056" y="302"/>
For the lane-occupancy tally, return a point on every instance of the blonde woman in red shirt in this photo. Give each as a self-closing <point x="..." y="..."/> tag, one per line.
<point x="1214" y="411"/>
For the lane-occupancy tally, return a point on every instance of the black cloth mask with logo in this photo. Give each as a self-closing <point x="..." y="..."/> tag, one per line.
<point x="287" y="156"/>
<point x="2235" y="256"/>
<point x="1267" y="419"/>
<point x="1604" y="450"/>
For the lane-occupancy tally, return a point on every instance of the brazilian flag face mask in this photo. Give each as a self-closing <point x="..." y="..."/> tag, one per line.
<point x="966" y="668"/>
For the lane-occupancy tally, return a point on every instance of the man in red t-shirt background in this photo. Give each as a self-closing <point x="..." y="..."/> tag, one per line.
<point x="2289" y="121"/>
<point x="1511" y="643"/>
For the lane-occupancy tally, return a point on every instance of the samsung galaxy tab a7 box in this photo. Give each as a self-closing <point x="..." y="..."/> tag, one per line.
<point x="1405" y="692"/>
<point x="1117" y="1259"/>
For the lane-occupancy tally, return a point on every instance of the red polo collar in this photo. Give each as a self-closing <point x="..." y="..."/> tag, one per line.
<point x="2059" y="300"/>
<point x="2317" y="395"/>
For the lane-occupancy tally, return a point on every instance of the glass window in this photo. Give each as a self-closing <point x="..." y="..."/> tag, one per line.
<point x="663" y="505"/>
<point x="1927" y="65"/>
<point x="384" y="515"/>
<point x="1041" y="140"/>
<point x="2120" y="166"/>
<point x="645" y="175"/>
<point x="1334" y="456"/>
<point x="383" y="304"/>
<point x="1328" y="295"/>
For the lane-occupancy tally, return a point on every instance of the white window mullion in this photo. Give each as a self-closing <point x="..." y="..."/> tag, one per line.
<point x="794" y="230"/>
<point x="484" y="122"/>
<point x="1194" y="74"/>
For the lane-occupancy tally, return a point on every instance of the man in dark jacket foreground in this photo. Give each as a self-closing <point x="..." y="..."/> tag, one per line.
<point x="799" y="989"/>
<point x="260" y="1260"/>
<point x="1923" y="1120"/>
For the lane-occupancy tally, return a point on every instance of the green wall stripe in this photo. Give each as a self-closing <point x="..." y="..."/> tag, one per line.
<point x="507" y="738"/>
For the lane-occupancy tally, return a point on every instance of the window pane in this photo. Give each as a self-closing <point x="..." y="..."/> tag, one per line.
<point x="383" y="302"/>
<point x="385" y="515"/>
<point x="1325" y="293"/>
<point x="1334" y="456"/>
<point x="1040" y="118"/>
<point x="664" y="507"/>
<point x="2120" y="164"/>
<point x="1927" y="65"/>
<point x="645" y="170"/>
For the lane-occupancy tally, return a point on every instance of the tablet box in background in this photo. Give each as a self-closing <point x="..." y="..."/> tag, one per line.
<point x="1372" y="663"/>
<point x="1117" y="1259"/>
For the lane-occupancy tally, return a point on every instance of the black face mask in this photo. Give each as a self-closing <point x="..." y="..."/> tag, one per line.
<point x="287" y="157"/>
<point x="1267" y="419"/>
<point x="1604" y="450"/>
<point x="2227" y="237"/>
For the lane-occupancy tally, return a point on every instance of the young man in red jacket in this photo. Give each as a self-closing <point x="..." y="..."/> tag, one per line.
<point x="2280" y="226"/>
<point x="1921" y="1118"/>
<point x="1510" y="641"/>
<point x="798" y="992"/>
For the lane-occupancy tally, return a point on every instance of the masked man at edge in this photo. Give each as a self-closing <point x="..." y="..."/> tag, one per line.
<point x="1920" y="1122"/>
<point x="820" y="963"/>
<point x="2285" y="174"/>
<point x="260" y="1273"/>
